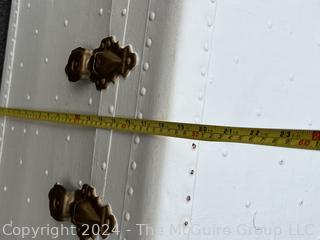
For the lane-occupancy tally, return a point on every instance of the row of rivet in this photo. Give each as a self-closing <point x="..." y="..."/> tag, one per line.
<point x="56" y="99"/>
<point x="8" y="72"/>
<point x="203" y="74"/>
<point x="142" y="92"/>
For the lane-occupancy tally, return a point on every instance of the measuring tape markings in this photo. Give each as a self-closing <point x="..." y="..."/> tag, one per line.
<point x="303" y="139"/>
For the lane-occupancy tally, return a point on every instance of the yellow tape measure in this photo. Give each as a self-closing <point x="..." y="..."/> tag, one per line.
<point x="303" y="139"/>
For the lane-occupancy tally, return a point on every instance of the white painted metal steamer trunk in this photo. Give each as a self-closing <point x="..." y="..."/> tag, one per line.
<point x="239" y="63"/>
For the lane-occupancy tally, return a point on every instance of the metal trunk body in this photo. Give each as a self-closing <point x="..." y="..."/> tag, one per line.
<point x="237" y="63"/>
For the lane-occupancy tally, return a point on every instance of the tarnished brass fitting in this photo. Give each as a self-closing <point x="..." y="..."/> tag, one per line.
<point x="84" y="209"/>
<point x="101" y="65"/>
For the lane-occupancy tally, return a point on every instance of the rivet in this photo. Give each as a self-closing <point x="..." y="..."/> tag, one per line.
<point x="211" y="80"/>
<point x="136" y="139"/>
<point x="36" y="31"/>
<point x="206" y="47"/>
<point x="186" y="223"/>
<point x="236" y="59"/>
<point x="24" y="130"/>
<point x="188" y="198"/>
<point x="203" y="71"/>
<point x="130" y="191"/>
<point x="37" y="132"/>
<point x="124" y="12"/>
<point x="56" y="98"/>
<point x="209" y="22"/>
<point x="21" y="64"/>
<point x="291" y="78"/>
<point x="20" y="162"/>
<point x="66" y="22"/>
<point x="12" y="128"/>
<point x="143" y="91"/>
<point x="224" y="153"/>
<point x="133" y="165"/>
<point x="146" y="66"/>
<point x="28" y="97"/>
<point x="127" y="216"/>
<point x="281" y="162"/>
<point x="194" y="146"/>
<point x="104" y="166"/>
<point x="5" y="188"/>
<point x="28" y="5"/>
<point x="28" y="200"/>
<point x="80" y="183"/>
<point x="46" y="172"/>
<point x="149" y="42"/>
<point x="258" y="113"/>
<point x="139" y="115"/>
<point x="101" y="11"/>
<point x="68" y="138"/>
<point x="152" y="16"/>
<point x="300" y="203"/>
<point x="111" y="109"/>
<point x="90" y="101"/>
<point x="46" y="60"/>
<point x="248" y="204"/>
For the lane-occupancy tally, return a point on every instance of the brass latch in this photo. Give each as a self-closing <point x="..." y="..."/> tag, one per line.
<point x="84" y="209"/>
<point x="101" y="65"/>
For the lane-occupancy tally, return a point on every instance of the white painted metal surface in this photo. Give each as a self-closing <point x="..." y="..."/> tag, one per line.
<point x="265" y="73"/>
<point x="35" y="155"/>
<point x="248" y="63"/>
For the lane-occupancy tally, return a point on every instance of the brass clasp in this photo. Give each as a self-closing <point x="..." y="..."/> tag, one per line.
<point x="84" y="209"/>
<point x="101" y="65"/>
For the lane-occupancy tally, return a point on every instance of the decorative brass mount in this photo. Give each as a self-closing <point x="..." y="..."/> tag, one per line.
<point x="101" y="65"/>
<point x="84" y="209"/>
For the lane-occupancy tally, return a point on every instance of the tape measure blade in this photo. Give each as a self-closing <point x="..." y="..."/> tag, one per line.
<point x="290" y="138"/>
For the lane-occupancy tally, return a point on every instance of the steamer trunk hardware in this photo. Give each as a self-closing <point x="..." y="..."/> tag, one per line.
<point x="101" y="65"/>
<point x="84" y="209"/>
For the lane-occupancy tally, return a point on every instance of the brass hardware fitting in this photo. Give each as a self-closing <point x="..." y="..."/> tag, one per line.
<point x="84" y="209"/>
<point x="101" y="65"/>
